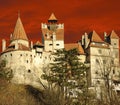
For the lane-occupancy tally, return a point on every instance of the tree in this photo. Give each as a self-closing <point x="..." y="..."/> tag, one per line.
<point x="67" y="72"/>
<point x="105" y="68"/>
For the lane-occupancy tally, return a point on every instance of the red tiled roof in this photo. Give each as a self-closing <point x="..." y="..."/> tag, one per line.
<point x="52" y="17"/>
<point x="74" y="45"/>
<point x="12" y="48"/>
<point x="95" y="37"/>
<point x="114" y="35"/>
<point x="19" y="32"/>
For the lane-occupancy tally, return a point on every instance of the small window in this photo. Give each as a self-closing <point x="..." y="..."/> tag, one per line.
<point x="113" y="71"/>
<point x="50" y="44"/>
<point x="30" y="55"/>
<point x="100" y="51"/>
<point x="104" y="61"/>
<point x="20" y="54"/>
<point x="10" y="54"/>
<point x="26" y="54"/>
<point x="115" y="44"/>
<point x="98" y="82"/>
<point x="29" y="71"/>
<point x="97" y="61"/>
<point x="5" y="55"/>
<point x="27" y="61"/>
<point x="112" y="61"/>
<point x="57" y="44"/>
<point x="96" y="72"/>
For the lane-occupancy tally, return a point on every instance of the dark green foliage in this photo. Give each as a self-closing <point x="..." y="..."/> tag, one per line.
<point x="67" y="71"/>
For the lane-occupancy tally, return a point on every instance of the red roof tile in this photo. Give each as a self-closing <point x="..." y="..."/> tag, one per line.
<point x="52" y="17"/>
<point x="19" y="32"/>
<point x="74" y="45"/>
<point x="114" y="35"/>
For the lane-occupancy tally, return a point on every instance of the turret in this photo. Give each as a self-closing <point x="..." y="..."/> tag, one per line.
<point x="19" y="34"/>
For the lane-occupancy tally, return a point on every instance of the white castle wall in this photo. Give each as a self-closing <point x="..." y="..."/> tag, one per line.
<point x="27" y="66"/>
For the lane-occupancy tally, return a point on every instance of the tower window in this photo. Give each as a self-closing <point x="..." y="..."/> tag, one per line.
<point x="50" y="44"/>
<point x="113" y="71"/>
<point x="29" y="71"/>
<point x="20" y="54"/>
<point x="97" y="61"/>
<point x="100" y="51"/>
<point x="27" y="61"/>
<point x="57" y="44"/>
<point x="11" y="54"/>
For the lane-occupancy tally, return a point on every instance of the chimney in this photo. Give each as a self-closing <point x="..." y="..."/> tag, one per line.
<point x="3" y="45"/>
<point x="86" y="40"/>
<point x="83" y="39"/>
<point x="105" y="36"/>
<point x="31" y="44"/>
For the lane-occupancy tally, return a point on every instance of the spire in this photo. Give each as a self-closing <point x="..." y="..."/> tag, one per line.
<point x="19" y="32"/>
<point x="52" y="18"/>
<point x="114" y="35"/>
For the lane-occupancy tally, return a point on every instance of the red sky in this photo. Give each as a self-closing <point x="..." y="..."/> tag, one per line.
<point x="78" y="16"/>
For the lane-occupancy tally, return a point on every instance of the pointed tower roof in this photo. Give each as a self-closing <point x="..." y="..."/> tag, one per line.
<point x="19" y="32"/>
<point x="52" y="18"/>
<point x="95" y="37"/>
<point x="114" y="35"/>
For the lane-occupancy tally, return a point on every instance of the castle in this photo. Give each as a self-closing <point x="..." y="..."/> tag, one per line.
<point x="28" y="60"/>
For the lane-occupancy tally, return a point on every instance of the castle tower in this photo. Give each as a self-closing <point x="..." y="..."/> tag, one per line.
<point x="53" y="34"/>
<point x="97" y="57"/>
<point x="19" y="35"/>
<point x="114" y="41"/>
